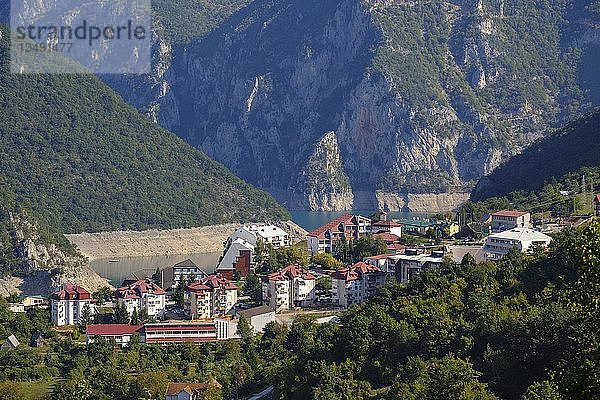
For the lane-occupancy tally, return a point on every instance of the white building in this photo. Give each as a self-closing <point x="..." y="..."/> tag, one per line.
<point x="238" y="256"/>
<point x="355" y="284"/>
<point x="258" y="317"/>
<point x="67" y="304"/>
<point x="505" y="220"/>
<point x="142" y="295"/>
<point x="292" y="286"/>
<point x="188" y="270"/>
<point x="412" y="263"/>
<point x="120" y="333"/>
<point x="498" y="245"/>
<point x="212" y="296"/>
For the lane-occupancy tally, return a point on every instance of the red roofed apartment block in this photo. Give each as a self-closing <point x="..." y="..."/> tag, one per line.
<point x="355" y="284"/>
<point x="212" y="296"/>
<point x="142" y="295"/>
<point x="67" y="304"/>
<point x="292" y="286"/>
<point x="328" y="236"/>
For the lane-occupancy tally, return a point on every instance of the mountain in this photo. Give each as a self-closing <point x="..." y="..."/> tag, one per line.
<point x="411" y="97"/>
<point x="76" y="154"/>
<point x="562" y="156"/>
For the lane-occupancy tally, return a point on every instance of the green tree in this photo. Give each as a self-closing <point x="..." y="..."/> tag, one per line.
<point x="367" y="246"/>
<point x="179" y="291"/>
<point x="86" y="317"/>
<point x="253" y="288"/>
<point x="135" y="319"/>
<point x="121" y="316"/>
<point x="259" y="253"/>
<point x="327" y="261"/>
<point x="102" y="295"/>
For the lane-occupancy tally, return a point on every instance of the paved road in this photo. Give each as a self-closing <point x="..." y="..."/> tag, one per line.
<point x="262" y="394"/>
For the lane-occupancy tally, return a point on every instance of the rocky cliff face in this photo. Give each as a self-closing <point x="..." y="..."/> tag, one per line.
<point x="338" y="104"/>
<point x="34" y="261"/>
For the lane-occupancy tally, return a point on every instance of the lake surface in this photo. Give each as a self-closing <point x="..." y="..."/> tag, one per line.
<point x="310" y="220"/>
<point x="116" y="272"/>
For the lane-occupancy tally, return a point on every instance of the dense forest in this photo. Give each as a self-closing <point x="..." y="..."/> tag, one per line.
<point x="76" y="154"/>
<point x="524" y="328"/>
<point x="558" y="160"/>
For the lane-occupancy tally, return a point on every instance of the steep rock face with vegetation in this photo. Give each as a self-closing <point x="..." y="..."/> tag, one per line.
<point x="423" y="97"/>
<point x="34" y="257"/>
<point x="563" y="156"/>
<point x="79" y="156"/>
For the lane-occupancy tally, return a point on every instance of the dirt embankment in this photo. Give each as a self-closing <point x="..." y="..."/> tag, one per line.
<point x="206" y="239"/>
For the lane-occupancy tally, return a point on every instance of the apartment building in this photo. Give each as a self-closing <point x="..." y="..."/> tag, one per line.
<point x="292" y="286"/>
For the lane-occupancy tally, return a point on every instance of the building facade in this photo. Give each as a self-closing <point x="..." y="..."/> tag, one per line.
<point x="186" y="270"/>
<point x="67" y="304"/>
<point x="292" y="286"/>
<point x="412" y="262"/>
<point x="498" y="245"/>
<point x="212" y="296"/>
<point x="258" y="317"/>
<point x="355" y="284"/>
<point x="506" y="220"/>
<point x="327" y="237"/>
<point x="142" y="295"/>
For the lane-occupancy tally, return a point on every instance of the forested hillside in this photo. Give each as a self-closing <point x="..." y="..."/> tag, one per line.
<point x="75" y="153"/>
<point x="561" y="158"/>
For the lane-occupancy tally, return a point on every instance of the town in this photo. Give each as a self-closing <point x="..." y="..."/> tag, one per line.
<point x="266" y="276"/>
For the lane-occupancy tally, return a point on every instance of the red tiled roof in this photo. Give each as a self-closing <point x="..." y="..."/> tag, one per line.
<point x="68" y="291"/>
<point x="290" y="272"/>
<point x="333" y="226"/>
<point x="387" y="224"/>
<point x="356" y="272"/>
<point x="211" y="282"/>
<point x="378" y="257"/>
<point x="137" y="289"/>
<point x="177" y="327"/>
<point x="396" y="247"/>
<point x="387" y="237"/>
<point x="507" y="213"/>
<point x="112" y="329"/>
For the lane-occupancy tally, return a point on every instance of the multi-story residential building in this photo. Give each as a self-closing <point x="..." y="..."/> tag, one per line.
<point x="597" y="204"/>
<point x="188" y="270"/>
<point x="412" y="262"/>
<point x="505" y="220"/>
<point x="271" y="234"/>
<point x="498" y="245"/>
<point x="388" y="226"/>
<point x="238" y="256"/>
<point x="355" y="284"/>
<point x="327" y="237"/>
<point x="385" y="262"/>
<point x="292" y="286"/>
<point x="212" y="296"/>
<point x="142" y="295"/>
<point x="67" y="304"/>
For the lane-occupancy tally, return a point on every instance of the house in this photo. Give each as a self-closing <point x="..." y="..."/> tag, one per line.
<point x="385" y="262"/>
<point x="10" y="343"/>
<point x="237" y="257"/>
<point x="597" y="204"/>
<point x="327" y="237"/>
<point x="68" y="302"/>
<point x="396" y="248"/>
<point x="189" y="391"/>
<point x="497" y="245"/>
<point x="258" y="317"/>
<point x="355" y="284"/>
<point x="416" y="226"/>
<point x="505" y="220"/>
<point x="292" y="286"/>
<point x="412" y="262"/>
<point x="390" y="226"/>
<point x="142" y="295"/>
<point x="212" y="296"/>
<point x="120" y="333"/>
<point x="34" y="301"/>
<point x="188" y="270"/>
<point x="387" y="237"/>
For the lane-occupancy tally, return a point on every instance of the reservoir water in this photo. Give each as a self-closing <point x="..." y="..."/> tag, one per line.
<point x="116" y="272"/>
<point x="310" y="220"/>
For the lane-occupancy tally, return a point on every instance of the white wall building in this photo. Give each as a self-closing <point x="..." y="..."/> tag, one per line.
<point x="258" y="317"/>
<point x="67" y="304"/>
<point x="142" y="295"/>
<point x="412" y="263"/>
<point x="355" y="284"/>
<point x="188" y="270"/>
<point x="292" y="286"/>
<point x="212" y="296"/>
<point x="498" y="245"/>
<point x="505" y="220"/>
